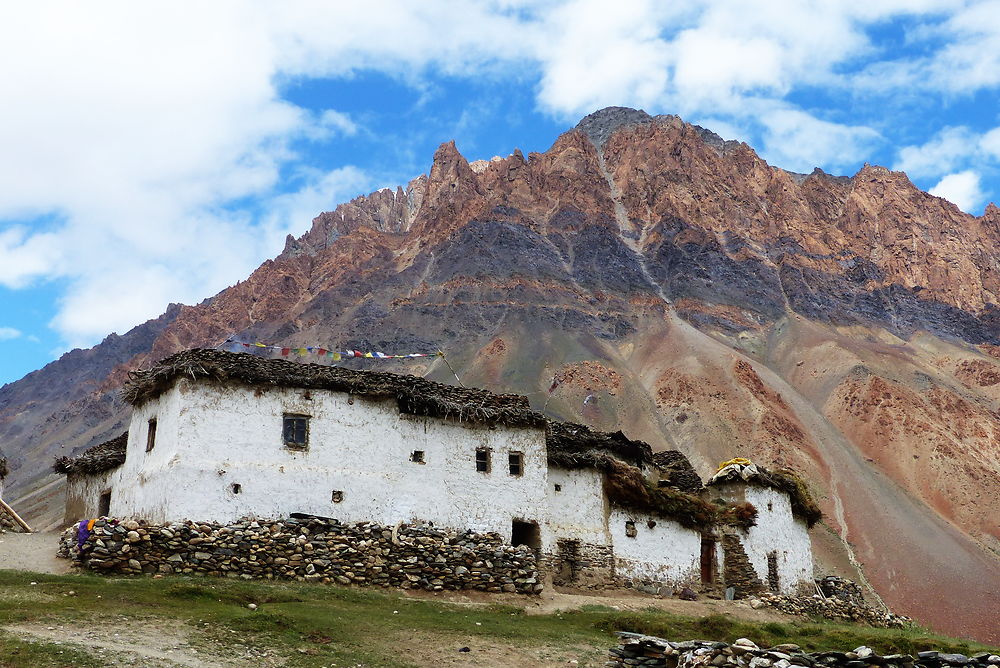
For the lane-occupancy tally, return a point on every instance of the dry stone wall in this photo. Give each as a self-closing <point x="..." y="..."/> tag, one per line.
<point x="311" y="549"/>
<point x="639" y="650"/>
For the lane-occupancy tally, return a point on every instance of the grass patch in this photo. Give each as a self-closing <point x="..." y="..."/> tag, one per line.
<point x="310" y="625"/>
<point x="17" y="653"/>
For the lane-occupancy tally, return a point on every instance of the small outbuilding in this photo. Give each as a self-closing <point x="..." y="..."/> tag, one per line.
<point x="217" y="436"/>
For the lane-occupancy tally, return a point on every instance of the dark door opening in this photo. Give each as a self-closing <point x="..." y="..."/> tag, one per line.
<point x="707" y="560"/>
<point x="525" y="533"/>
<point x="104" y="504"/>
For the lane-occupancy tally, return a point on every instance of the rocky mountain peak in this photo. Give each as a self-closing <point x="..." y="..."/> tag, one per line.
<point x="601" y="124"/>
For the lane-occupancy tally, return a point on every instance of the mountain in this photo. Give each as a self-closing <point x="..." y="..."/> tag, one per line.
<point x="674" y="285"/>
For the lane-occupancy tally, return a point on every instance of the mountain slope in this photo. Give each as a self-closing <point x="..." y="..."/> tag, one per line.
<point x="676" y="286"/>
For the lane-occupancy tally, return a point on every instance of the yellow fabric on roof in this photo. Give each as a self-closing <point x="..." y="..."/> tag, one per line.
<point x="738" y="460"/>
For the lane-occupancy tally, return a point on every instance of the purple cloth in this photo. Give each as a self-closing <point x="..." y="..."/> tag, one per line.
<point x="82" y="534"/>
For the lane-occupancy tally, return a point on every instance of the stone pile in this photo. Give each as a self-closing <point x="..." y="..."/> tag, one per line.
<point x="853" y="610"/>
<point x="639" y="650"/>
<point x="311" y="549"/>
<point x="842" y="588"/>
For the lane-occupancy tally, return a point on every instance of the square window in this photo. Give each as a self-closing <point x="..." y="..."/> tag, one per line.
<point x="483" y="460"/>
<point x="237" y="488"/>
<point x="336" y="496"/>
<point x="516" y="462"/>
<point x="558" y="487"/>
<point x="151" y="434"/>
<point x="295" y="431"/>
<point x="417" y="457"/>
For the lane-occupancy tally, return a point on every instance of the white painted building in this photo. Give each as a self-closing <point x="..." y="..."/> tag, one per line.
<point x="217" y="436"/>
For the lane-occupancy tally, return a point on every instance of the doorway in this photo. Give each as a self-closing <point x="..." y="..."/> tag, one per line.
<point x="707" y="560"/>
<point x="525" y="533"/>
<point x="104" y="504"/>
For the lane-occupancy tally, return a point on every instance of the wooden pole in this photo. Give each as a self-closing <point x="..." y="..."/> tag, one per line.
<point x="17" y="518"/>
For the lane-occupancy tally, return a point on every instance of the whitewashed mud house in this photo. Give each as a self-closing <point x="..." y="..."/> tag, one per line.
<point x="218" y="436"/>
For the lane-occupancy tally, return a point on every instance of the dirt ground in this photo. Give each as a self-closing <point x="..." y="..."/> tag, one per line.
<point x="32" y="552"/>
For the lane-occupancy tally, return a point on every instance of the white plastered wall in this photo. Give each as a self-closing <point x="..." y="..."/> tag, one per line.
<point x="83" y="494"/>
<point x="211" y="436"/>
<point x="666" y="552"/>
<point x="576" y="511"/>
<point x="777" y="530"/>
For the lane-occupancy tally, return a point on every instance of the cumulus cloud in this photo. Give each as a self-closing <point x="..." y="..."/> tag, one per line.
<point x="155" y="143"/>
<point x="8" y="333"/>
<point x="961" y="189"/>
<point x="798" y="141"/>
<point x="940" y="155"/>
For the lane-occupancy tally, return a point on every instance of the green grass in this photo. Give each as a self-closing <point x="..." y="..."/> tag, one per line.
<point x="315" y="625"/>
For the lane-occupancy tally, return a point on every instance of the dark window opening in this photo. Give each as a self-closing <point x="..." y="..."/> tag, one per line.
<point x="708" y="560"/>
<point x="525" y="533"/>
<point x="336" y="496"/>
<point x="483" y="460"/>
<point x="104" y="504"/>
<point x="295" y="431"/>
<point x="516" y="461"/>
<point x="558" y="487"/>
<point x="417" y="457"/>
<point x="151" y="434"/>
<point x="651" y="524"/>
<point x="772" y="571"/>
<point x="770" y="506"/>
<point x="630" y="530"/>
<point x="237" y="488"/>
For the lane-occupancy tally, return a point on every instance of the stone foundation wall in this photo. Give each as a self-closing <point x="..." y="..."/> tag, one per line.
<point x="640" y="650"/>
<point x="579" y="564"/>
<point x="737" y="571"/>
<point x="314" y="549"/>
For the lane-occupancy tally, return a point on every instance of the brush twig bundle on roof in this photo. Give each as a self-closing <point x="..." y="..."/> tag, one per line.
<point x="785" y="480"/>
<point x="627" y="487"/>
<point x="575" y="446"/>
<point x="676" y="471"/>
<point x="102" y="457"/>
<point x="416" y="396"/>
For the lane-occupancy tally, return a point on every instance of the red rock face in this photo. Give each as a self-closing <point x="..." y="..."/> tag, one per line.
<point x="678" y="288"/>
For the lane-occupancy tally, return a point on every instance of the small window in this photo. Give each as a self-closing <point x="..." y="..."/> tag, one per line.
<point x="417" y="457"/>
<point x="770" y="506"/>
<point x="237" y="488"/>
<point x="336" y="496"/>
<point x="516" y="461"/>
<point x="151" y="434"/>
<point x="483" y="460"/>
<point x="295" y="431"/>
<point x="558" y="487"/>
<point x="630" y="530"/>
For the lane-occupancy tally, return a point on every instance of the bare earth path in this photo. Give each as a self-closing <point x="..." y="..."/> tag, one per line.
<point x="32" y="552"/>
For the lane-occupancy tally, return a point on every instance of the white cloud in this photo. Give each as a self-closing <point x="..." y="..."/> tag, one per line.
<point x="949" y="148"/>
<point x="961" y="189"/>
<point x="8" y="333"/>
<point x="136" y="126"/>
<point x="798" y="141"/>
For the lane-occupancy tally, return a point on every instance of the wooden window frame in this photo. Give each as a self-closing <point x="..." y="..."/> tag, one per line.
<point x="150" y="434"/>
<point x="295" y="444"/>
<point x="483" y="460"/>
<point x="515" y="460"/>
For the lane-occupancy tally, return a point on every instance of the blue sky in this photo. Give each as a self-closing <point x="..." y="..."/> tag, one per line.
<point x="157" y="153"/>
